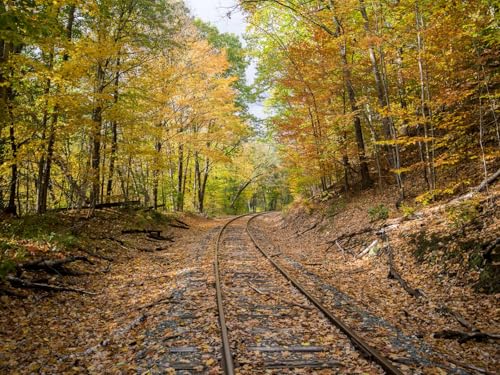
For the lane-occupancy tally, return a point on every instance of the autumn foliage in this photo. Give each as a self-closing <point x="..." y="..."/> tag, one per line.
<point x="398" y="92"/>
<point x="110" y="101"/>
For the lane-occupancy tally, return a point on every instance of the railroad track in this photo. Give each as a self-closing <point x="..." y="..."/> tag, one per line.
<point x="268" y="320"/>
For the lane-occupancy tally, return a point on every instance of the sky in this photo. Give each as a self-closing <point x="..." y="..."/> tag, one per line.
<point x="216" y="12"/>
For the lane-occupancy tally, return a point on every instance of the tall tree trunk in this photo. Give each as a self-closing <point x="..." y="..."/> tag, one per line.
<point x="114" y="135"/>
<point x="11" y="205"/>
<point x="156" y="174"/>
<point x="95" y="158"/>
<point x="366" y="180"/>
<point x="47" y="160"/>
<point x="201" y="178"/>
<point x="179" y="202"/>
<point x="383" y="99"/>
<point x="429" y="162"/>
<point x="44" y="180"/>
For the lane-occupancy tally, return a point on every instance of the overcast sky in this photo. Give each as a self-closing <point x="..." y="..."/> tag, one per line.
<point x="216" y="12"/>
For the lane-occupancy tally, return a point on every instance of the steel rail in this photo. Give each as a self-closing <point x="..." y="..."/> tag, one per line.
<point x="227" y="358"/>
<point x="370" y="352"/>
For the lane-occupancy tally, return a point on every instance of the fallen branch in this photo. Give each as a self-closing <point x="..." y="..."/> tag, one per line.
<point x="136" y="231"/>
<point x="180" y="226"/>
<point x="52" y="265"/>
<point x="368" y="249"/>
<point x="153" y="250"/>
<point x="120" y="242"/>
<point x="458" y="317"/>
<point x="255" y="288"/>
<point x="159" y="237"/>
<point x="22" y="283"/>
<point x="467" y="366"/>
<point x="181" y="222"/>
<point x="120" y="332"/>
<point x="393" y="273"/>
<point x="151" y="233"/>
<point x="341" y="249"/>
<point x="310" y="228"/>
<point x="95" y="254"/>
<point x="352" y="234"/>
<point x="465" y="336"/>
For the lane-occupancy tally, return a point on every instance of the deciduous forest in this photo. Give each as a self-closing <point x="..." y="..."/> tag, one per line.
<point x="140" y="194"/>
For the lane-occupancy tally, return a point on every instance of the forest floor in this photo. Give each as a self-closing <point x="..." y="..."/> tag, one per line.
<point x="142" y="302"/>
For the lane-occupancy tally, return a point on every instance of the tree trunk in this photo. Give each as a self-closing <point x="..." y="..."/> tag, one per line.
<point x="11" y="206"/>
<point x="179" y="202"/>
<point x="429" y="162"/>
<point x="95" y="160"/>
<point x="44" y="180"/>
<point x="156" y="173"/>
<point x="46" y="161"/>
<point x="383" y="99"/>
<point x="366" y="180"/>
<point x="114" y="135"/>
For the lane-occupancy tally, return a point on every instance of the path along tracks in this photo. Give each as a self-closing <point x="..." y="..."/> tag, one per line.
<point x="275" y="322"/>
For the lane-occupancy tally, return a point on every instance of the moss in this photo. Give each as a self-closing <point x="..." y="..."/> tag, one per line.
<point x="426" y="245"/>
<point x="489" y="280"/>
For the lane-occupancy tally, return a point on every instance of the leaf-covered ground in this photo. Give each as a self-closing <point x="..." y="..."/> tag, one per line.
<point x="153" y="305"/>
<point x="442" y="256"/>
<point x="144" y="300"/>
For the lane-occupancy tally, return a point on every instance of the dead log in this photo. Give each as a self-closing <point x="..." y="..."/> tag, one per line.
<point x="465" y="336"/>
<point x="52" y="265"/>
<point x="99" y="206"/>
<point x="153" y="207"/>
<point x="488" y="181"/>
<point x="22" y="283"/>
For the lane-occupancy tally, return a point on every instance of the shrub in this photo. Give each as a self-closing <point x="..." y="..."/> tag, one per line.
<point x="408" y="211"/>
<point x="380" y="212"/>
